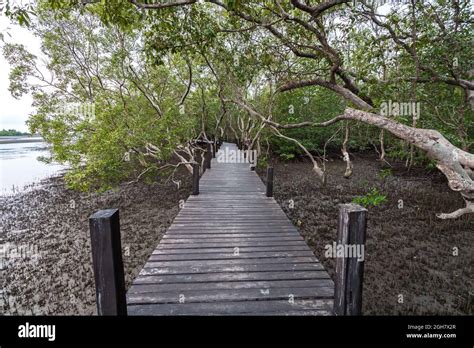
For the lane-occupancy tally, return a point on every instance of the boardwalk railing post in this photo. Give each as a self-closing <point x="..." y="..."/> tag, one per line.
<point x="107" y="261"/>
<point x="252" y="159"/>
<point x="214" y="148"/>
<point x="208" y="156"/>
<point x="195" y="179"/>
<point x="269" y="182"/>
<point x="352" y="224"/>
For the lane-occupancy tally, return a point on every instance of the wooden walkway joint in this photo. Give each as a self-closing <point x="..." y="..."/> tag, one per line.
<point x="231" y="250"/>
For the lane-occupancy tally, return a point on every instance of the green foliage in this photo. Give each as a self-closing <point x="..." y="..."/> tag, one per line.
<point x="305" y="105"/>
<point x="372" y="198"/>
<point x="262" y="162"/>
<point x="431" y="165"/>
<point x="108" y="125"/>
<point x="19" y="11"/>
<point x="11" y="132"/>
<point x="385" y="173"/>
<point x="287" y="156"/>
<point x="159" y="78"/>
<point x="399" y="151"/>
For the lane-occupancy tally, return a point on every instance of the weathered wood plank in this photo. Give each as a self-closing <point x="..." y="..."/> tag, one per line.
<point x="231" y="295"/>
<point x="252" y="236"/>
<point x="229" y="233"/>
<point x="239" y="244"/>
<point x="216" y="268"/>
<point x="222" y="256"/>
<point x="226" y="250"/>
<point x="218" y="239"/>
<point x="229" y="277"/>
<point x="229" y="229"/>
<point x="268" y="284"/>
<point x="249" y="261"/>
<point x="322" y="307"/>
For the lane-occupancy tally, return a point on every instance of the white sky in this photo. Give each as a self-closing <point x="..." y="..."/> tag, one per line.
<point x="13" y="112"/>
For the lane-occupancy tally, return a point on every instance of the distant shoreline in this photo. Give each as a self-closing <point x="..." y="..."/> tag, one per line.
<point x="15" y="139"/>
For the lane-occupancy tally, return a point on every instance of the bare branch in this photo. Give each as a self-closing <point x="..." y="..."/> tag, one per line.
<point x="190" y="70"/>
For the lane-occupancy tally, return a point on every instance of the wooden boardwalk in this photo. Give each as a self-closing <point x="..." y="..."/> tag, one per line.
<point x="231" y="251"/>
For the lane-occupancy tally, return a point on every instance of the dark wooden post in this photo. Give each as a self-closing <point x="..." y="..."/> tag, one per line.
<point x="269" y="182"/>
<point x="214" y="148"/>
<point x="352" y="225"/>
<point x="254" y="160"/>
<point x="195" y="179"/>
<point x="208" y="156"/>
<point x="107" y="261"/>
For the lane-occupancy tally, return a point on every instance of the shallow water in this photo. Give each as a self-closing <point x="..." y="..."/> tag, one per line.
<point x="19" y="165"/>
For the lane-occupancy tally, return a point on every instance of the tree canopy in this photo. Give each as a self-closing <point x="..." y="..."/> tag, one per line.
<point x="128" y="86"/>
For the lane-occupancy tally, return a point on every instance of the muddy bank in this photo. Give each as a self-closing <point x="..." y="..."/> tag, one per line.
<point x="47" y="268"/>
<point x="409" y="263"/>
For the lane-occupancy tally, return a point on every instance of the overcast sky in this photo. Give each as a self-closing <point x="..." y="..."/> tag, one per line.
<point x="13" y="112"/>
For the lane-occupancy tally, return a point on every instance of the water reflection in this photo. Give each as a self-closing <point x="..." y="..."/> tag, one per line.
<point x="19" y="165"/>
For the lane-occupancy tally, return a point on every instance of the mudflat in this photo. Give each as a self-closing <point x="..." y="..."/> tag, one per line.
<point x="47" y="262"/>
<point x="415" y="263"/>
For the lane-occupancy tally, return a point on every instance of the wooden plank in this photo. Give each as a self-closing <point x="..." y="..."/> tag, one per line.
<point x="219" y="209"/>
<point x="229" y="277"/>
<point x="230" y="295"/>
<point x="239" y="244"/>
<point x="236" y="222"/>
<point x="226" y="250"/>
<point x="216" y="237"/>
<point x="213" y="268"/>
<point x="228" y="234"/>
<point x="221" y="223"/>
<point x="223" y="256"/>
<point x="229" y="229"/>
<point x="268" y="284"/>
<point x="322" y="307"/>
<point x="226" y="239"/>
<point x="236" y="211"/>
<point x="248" y="261"/>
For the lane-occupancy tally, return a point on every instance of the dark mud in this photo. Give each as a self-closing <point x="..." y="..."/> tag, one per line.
<point x="409" y="251"/>
<point x="47" y="263"/>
